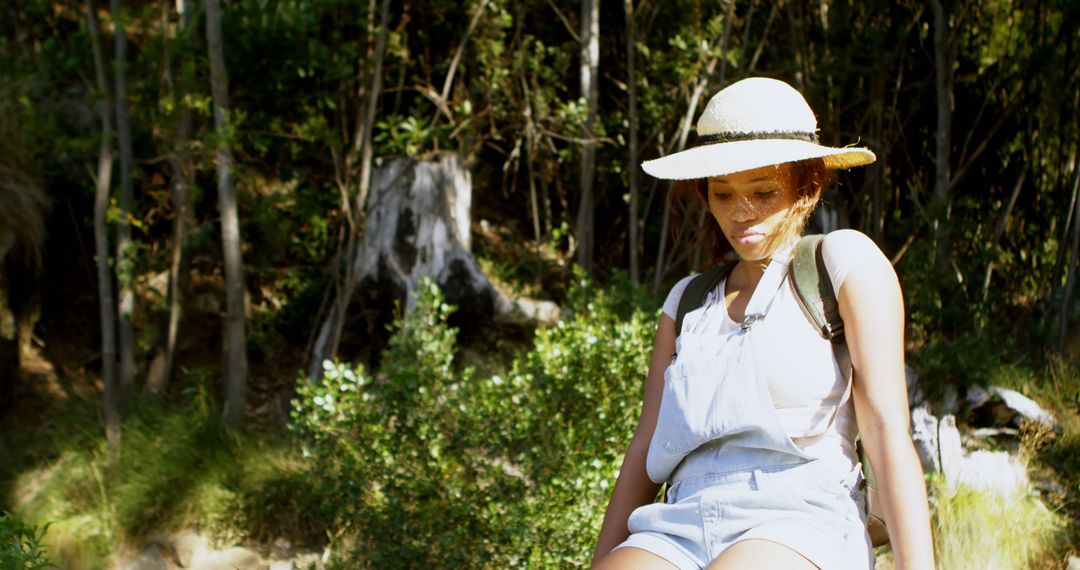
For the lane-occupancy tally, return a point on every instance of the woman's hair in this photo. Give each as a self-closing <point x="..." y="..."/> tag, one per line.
<point x="807" y="177"/>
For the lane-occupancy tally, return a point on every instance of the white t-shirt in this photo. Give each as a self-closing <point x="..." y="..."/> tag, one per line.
<point x="804" y="380"/>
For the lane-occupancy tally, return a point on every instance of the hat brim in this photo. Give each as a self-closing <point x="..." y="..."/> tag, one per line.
<point x="730" y="157"/>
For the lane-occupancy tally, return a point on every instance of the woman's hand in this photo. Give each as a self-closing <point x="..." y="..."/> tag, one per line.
<point x="872" y="307"/>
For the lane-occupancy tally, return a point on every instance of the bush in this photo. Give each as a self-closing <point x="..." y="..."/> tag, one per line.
<point x="425" y="465"/>
<point x="20" y="544"/>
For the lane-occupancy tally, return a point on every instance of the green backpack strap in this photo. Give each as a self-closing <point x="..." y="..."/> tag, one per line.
<point x="814" y="288"/>
<point x="697" y="289"/>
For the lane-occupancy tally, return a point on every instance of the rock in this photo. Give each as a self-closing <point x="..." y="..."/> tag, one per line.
<point x="1000" y="407"/>
<point x="949" y="403"/>
<point x="1024" y="407"/>
<point x="188" y="546"/>
<point x="950" y="450"/>
<point x="916" y="397"/>
<point x="991" y="472"/>
<point x="986" y="471"/>
<point x="991" y="432"/>
<point x="976" y="396"/>
<point x="235" y="558"/>
<point x="523" y="311"/>
<point x="150" y="559"/>
<point x="1074" y="563"/>
<point x="924" y="434"/>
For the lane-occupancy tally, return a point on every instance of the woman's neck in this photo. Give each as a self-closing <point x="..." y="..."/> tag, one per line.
<point x="747" y="273"/>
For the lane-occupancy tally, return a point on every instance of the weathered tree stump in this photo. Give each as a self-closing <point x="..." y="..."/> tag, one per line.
<point x="417" y="227"/>
<point x="22" y="231"/>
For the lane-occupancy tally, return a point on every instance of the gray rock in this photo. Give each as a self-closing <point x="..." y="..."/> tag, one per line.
<point x="916" y="397"/>
<point x="189" y="545"/>
<point x="987" y="471"/>
<point x="977" y="396"/>
<point x="991" y="472"/>
<point x="150" y="559"/>
<point x="1074" y="563"/>
<point x="235" y="558"/>
<point x="924" y="434"/>
<point x="950" y="449"/>
<point x="1023" y="406"/>
<point x="949" y="403"/>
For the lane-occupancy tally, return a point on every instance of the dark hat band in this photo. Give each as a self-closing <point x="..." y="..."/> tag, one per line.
<point x="702" y="140"/>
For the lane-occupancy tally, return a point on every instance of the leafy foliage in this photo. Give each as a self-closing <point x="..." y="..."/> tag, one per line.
<point x="426" y="463"/>
<point x="21" y="544"/>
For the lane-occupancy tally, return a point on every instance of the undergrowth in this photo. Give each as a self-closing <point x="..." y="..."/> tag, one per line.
<point x="179" y="468"/>
<point x="976" y="530"/>
<point x="430" y="461"/>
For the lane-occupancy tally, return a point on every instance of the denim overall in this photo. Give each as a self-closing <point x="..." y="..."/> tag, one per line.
<point x="733" y="472"/>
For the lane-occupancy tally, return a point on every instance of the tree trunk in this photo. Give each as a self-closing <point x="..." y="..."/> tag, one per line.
<point x="124" y="250"/>
<point x="235" y="344"/>
<point x="160" y="370"/>
<point x="101" y="242"/>
<point x="684" y="136"/>
<point x="326" y="344"/>
<point x="999" y="230"/>
<point x="417" y="227"/>
<point x="943" y="85"/>
<point x="632" y="170"/>
<point x="1070" y="280"/>
<point x="590" y="60"/>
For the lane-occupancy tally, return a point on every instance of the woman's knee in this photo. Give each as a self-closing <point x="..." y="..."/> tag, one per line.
<point x="630" y="558"/>
<point x="760" y="553"/>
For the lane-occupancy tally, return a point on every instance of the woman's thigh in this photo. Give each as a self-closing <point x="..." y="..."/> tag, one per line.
<point x="630" y="558"/>
<point x="761" y="554"/>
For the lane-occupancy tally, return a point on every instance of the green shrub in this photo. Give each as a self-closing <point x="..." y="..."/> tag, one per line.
<point x="20" y="544"/>
<point x="425" y="465"/>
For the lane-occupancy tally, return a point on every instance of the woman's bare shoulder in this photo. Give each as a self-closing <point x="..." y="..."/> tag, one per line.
<point x="847" y="251"/>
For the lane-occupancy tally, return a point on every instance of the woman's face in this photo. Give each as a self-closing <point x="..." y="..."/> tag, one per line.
<point x="750" y="207"/>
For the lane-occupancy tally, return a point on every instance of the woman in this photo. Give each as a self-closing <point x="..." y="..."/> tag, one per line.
<point x="747" y="415"/>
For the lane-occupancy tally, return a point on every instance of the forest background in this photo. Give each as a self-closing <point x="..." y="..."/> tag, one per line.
<point x="181" y="183"/>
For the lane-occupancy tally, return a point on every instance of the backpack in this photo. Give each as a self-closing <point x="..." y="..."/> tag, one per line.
<point x="816" y="297"/>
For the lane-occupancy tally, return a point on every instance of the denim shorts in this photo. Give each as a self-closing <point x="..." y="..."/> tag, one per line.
<point x="800" y="507"/>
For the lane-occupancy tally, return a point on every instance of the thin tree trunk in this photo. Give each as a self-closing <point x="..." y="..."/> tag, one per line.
<point x="101" y="242"/>
<point x="530" y="157"/>
<point x="999" y="230"/>
<point x="943" y="84"/>
<point x="1066" y="297"/>
<point x="729" y="17"/>
<point x="876" y="178"/>
<point x="684" y="135"/>
<point x="329" y="336"/>
<point x="124" y="259"/>
<point x="366" y="153"/>
<point x="590" y="56"/>
<point x="236" y="366"/>
<point x="632" y="170"/>
<point x="157" y="380"/>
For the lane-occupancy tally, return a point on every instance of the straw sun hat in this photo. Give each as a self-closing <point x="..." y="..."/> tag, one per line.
<point x="749" y="124"/>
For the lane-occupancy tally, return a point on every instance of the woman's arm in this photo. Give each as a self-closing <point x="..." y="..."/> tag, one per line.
<point x="634" y="488"/>
<point x="872" y="307"/>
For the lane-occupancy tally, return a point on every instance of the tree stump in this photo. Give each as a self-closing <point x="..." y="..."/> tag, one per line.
<point x="417" y="227"/>
<point x="22" y="232"/>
